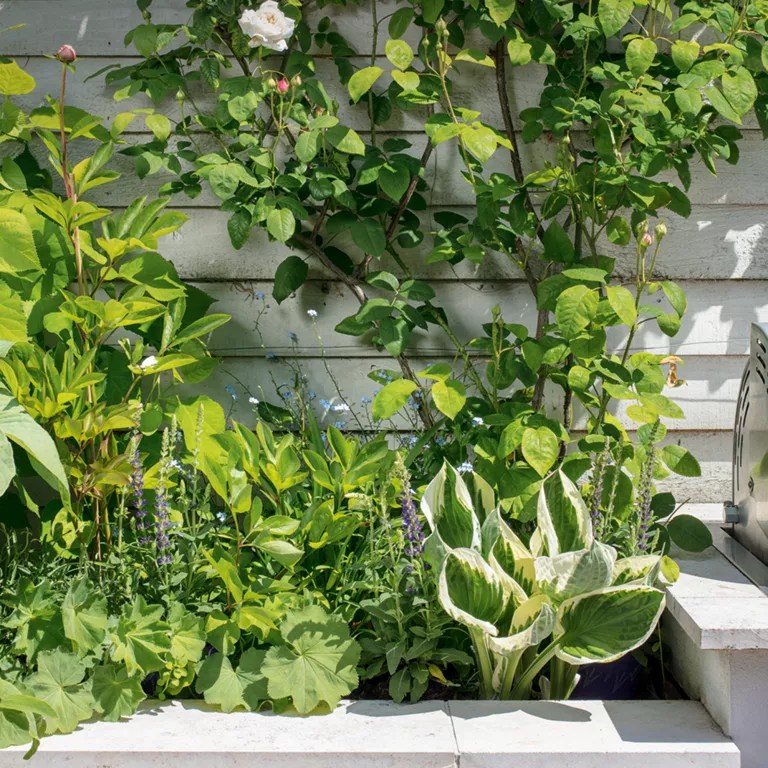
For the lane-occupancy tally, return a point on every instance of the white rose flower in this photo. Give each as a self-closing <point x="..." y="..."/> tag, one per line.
<point x="148" y="362"/>
<point x="267" y="26"/>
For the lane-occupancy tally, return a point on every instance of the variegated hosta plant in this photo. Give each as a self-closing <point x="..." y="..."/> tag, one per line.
<point x="536" y="612"/>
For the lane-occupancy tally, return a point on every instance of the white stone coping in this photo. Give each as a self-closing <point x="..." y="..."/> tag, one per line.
<point x="717" y="606"/>
<point x="378" y="734"/>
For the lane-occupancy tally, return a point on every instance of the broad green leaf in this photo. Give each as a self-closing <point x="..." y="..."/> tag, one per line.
<point x="447" y="506"/>
<point x="281" y="224"/>
<point x="391" y="398"/>
<point x="239" y="227"/>
<point x="449" y="397"/>
<point x="399" y="53"/>
<point x="59" y="682"/>
<point x="20" y="428"/>
<point x="675" y="296"/>
<point x="84" y="615"/>
<point x="470" y="591"/>
<point x="614" y="15"/>
<point x="575" y="309"/>
<point x="116" y="693"/>
<point x="17" y="716"/>
<point x="605" y="625"/>
<point x="640" y="54"/>
<point x="622" y="303"/>
<point x="362" y="81"/>
<point x="399" y="22"/>
<point x="187" y="634"/>
<point x="510" y="554"/>
<point x="7" y="464"/>
<point x="14" y="81"/>
<point x="317" y="664"/>
<point x="562" y="516"/>
<point x="519" y="52"/>
<point x="689" y="533"/>
<point x="18" y="252"/>
<point x="345" y="140"/>
<point x="532" y="623"/>
<point x="13" y="320"/>
<point x="540" y="448"/>
<point x="220" y="684"/>
<point x="685" y="53"/>
<point x="568" y="574"/>
<point x="141" y="639"/>
<point x="159" y="124"/>
<point x="500" y="10"/>
<point x="394" y="181"/>
<point x="369" y="236"/>
<point x="307" y="146"/>
<point x="721" y="104"/>
<point x="289" y="276"/>
<point x="222" y="632"/>
<point x="408" y="81"/>
<point x="681" y="461"/>
<point x="617" y="230"/>
<point x="557" y="245"/>
<point x="740" y="90"/>
<point x="481" y="141"/>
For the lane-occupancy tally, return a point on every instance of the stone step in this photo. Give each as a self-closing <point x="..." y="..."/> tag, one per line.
<point x="376" y="734"/>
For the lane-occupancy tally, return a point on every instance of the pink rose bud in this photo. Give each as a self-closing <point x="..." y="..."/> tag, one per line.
<point x="66" y="54"/>
<point x="283" y="85"/>
<point x="646" y="239"/>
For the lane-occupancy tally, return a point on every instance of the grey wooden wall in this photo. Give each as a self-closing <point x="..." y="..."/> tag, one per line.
<point x="719" y="255"/>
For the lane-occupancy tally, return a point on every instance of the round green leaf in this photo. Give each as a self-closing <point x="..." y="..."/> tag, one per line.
<point x="399" y="53"/>
<point x="449" y="396"/>
<point x="689" y="533"/>
<point x="281" y="224"/>
<point x="540" y="448"/>
<point x="681" y="461"/>
<point x="640" y="54"/>
<point x="391" y="398"/>
<point x="362" y="81"/>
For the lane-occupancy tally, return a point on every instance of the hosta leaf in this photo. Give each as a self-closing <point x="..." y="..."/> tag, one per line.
<point x="510" y="554"/>
<point x="532" y="623"/>
<point x="470" y="591"/>
<point x="563" y="518"/>
<point x="317" y="665"/>
<point x="641" y="569"/>
<point x="602" y="626"/>
<point x="447" y="506"/>
<point x="59" y="682"/>
<point x="141" y="639"/>
<point x="84" y="615"/>
<point x="116" y="692"/>
<point x="573" y="573"/>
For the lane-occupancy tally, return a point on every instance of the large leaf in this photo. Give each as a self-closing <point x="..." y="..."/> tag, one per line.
<point x="575" y="309"/>
<point x="362" y="81"/>
<point x="510" y="554"/>
<point x="449" y="396"/>
<point x="532" y="623"/>
<point x="14" y="81"/>
<point x="141" y="639"/>
<point x="59" y="682"/>
<point x="470" y="591"/>
<point x="84" y="615"/>
<point x="602" y="626"/>
<point x="289" y="275"/>
<point x="187" y="634"/>
<point x="613" y="15"/>
<point x="540" y="448"/>
<point x="392" y="397"/>
<point x="13" y="320"/>
<point x="574" y="573"/>
<point x="19" y="427"/>
<point x="563" y="517"/>
<point x="116" y="692"/>
<point x="317" y="664"/>
<point x="447" y="506"/>
<point x="17" y="715"/>
<point x="220" y="684"/>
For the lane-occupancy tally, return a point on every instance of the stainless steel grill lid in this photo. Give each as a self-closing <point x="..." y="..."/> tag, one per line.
<point x="750" y="450"/>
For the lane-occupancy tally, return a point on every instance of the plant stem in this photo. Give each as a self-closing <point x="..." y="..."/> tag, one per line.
<point x="483" y="663"/>
<point x="526" y="680"/>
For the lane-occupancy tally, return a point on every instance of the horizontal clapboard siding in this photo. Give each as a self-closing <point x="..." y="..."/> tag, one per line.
<point x="719" y="255"/>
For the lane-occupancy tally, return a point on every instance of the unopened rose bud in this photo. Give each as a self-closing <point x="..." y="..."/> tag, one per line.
<point x="283" y="85"/>
<point x="440" y="26"/>
<point x="660" y="230"/>
<point x="271" y="83"/>
<point x="641" y="229"/>
<point x="66" y="54"/>
<point x="295" y="81"/>
<point x="646" y="240"/>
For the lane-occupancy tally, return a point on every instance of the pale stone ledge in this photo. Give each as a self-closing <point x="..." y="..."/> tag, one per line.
<point x="372" y="734"/>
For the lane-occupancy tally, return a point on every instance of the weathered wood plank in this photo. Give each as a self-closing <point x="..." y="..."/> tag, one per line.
<point x="717" y="322"/>
<point x="715" y="243"/>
